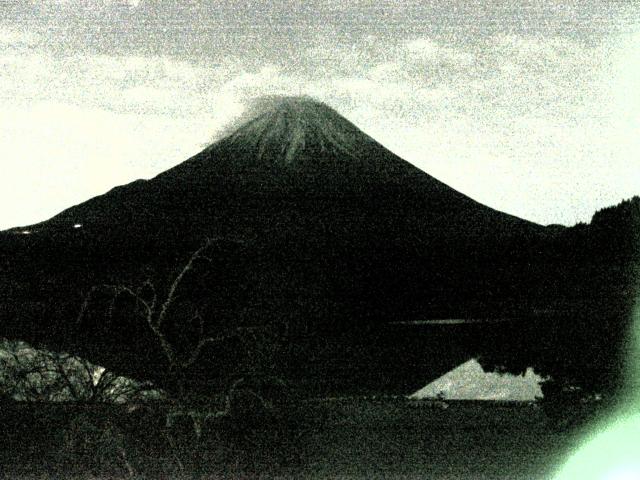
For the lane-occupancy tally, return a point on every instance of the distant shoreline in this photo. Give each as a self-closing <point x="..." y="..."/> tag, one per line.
<point x="454" y="321"/>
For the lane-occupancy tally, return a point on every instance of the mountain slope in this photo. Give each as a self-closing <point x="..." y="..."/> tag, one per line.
<point x="300" y="147"/>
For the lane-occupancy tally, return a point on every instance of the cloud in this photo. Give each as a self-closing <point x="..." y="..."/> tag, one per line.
<point x="16" y="39"/>
<point x="426" y="50"/>
<point x="94" y="4"/>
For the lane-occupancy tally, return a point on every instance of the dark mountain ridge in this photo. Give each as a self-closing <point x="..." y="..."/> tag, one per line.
<point x="323" y="234"/>
<point x="299" y="147"/>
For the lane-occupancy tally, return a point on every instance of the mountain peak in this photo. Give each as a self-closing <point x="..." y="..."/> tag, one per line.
<point x="284" y="127"/>
<point x="298" y="106"/>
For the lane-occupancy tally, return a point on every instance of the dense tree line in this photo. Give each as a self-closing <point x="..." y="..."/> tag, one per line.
<point x="584" y="339"/>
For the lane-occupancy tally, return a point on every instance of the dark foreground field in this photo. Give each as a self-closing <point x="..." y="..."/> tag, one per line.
<point x="340" y="438"/>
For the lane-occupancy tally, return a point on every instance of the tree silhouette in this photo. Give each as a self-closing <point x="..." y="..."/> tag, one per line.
<point x="155" y="313"/>
<point x="29" y="374"/>
<point x="183" y="325"/>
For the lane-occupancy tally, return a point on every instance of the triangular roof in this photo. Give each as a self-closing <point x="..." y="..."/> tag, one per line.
<point x="469" y="381"/>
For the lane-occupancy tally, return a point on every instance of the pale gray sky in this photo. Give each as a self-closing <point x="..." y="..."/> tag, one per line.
<point x="531" y="107"/>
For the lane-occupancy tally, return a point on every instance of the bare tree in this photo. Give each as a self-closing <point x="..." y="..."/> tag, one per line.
<point x="31" y="374"/>
<point x="155" y="313"/>
<point x="255" y="395"/>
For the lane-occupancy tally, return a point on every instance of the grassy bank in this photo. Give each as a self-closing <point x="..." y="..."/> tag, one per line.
<point x="352" y="437"/>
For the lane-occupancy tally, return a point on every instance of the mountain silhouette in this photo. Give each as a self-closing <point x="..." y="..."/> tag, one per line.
<point x="297" y="148"/>
<point x="321" y="234"/>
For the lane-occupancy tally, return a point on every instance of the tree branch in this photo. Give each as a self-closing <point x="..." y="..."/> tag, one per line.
<point x="198" y="254"/>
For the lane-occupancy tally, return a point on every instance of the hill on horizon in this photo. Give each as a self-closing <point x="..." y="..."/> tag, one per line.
<point x="319" y="236"/>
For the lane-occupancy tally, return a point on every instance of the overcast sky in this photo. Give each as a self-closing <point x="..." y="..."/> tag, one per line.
<point x="531" y="107"/>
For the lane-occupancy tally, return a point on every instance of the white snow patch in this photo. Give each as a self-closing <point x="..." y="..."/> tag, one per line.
<point x="470" y="382"/>
<point x="97" y="375"/>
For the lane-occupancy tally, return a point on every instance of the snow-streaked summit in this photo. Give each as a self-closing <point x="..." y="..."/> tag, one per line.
<point x="289" y="125"/>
